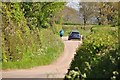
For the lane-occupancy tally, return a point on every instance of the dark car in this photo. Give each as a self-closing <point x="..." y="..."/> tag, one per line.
<point x="74" y="34"/>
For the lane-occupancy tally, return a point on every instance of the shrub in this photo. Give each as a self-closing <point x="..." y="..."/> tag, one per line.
<point x="25" y="46"/>
<point x="98" y="57"/>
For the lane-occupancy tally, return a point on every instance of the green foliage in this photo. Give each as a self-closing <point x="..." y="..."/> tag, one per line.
<point x="71" y="23"/>
<point x="84" y="32"/>
<point x="105" y="12"/>
<point x="108" y="13"/>
<point x="13" y="36"/>
<point x="98" y="57"/>
<point x="43" y="12"/>
<point x="38" y="54"/>
<point x="24" y="45"/>
<point x="73" y="75"/>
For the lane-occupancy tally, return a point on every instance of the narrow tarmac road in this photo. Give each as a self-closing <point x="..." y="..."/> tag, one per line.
<point x="57" y="69"/>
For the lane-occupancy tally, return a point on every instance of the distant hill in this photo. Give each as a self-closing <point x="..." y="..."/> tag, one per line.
<point x="70" y="15"/>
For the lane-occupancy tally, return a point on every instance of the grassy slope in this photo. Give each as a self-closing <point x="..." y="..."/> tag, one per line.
<point x="23" y="45"/>
<point x="52" y="46"/>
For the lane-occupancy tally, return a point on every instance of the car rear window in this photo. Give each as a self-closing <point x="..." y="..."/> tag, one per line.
<point x="75" y="32"/>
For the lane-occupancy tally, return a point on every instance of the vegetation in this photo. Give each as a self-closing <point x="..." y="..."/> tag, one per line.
<point x="102" y="12"/>
<point x="30" y="37"/>
<point x="98" y="57"/>
<point x="51" y="47"/>
<point x="44" y="13"/>
<point x="69" y="16"/>
<point x="80" y="28"/>
<point x="25" y="42"/>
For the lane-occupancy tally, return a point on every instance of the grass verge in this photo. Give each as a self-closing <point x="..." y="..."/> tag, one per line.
<point x="51" y="48"/>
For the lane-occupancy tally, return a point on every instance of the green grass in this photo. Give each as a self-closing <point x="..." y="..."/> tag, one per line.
<point x="83" y="30"/>
<point x="51" y="49"/>
<point x="44" y="47"/>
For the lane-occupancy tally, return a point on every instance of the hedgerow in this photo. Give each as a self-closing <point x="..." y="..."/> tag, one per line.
<point x="98" y="57"/>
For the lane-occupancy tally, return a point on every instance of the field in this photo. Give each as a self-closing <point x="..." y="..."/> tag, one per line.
<point x="83" y="30"/>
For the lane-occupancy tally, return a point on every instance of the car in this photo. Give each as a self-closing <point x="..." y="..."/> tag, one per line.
<point x="74" y="34"/>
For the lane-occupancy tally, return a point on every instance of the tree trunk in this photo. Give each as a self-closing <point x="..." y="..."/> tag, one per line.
<point x="84" y="22"/>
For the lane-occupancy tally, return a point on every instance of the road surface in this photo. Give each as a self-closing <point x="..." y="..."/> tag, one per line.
<point x="57" y="69"/>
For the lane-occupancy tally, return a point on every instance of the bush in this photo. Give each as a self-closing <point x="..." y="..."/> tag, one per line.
<point x="98" y="57"/>
<point x="25" y="46"/>
<point x="70" y="23"/>
<point x="36" y="49"/>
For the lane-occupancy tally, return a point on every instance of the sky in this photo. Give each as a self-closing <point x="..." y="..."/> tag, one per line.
<point x="74" y="5"/>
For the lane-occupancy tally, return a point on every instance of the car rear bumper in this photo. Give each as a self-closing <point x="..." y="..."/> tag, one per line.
<point x="73" y="38"/>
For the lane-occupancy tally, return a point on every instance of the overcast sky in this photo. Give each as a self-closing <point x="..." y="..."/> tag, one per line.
<point x="74" y="5"/>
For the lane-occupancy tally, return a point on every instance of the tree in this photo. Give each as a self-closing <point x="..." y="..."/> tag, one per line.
<point x="19" y="27"/>
<point x="87" y="10"/>
<point x="105" y="12"/>
<point x="43" y="12"/>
